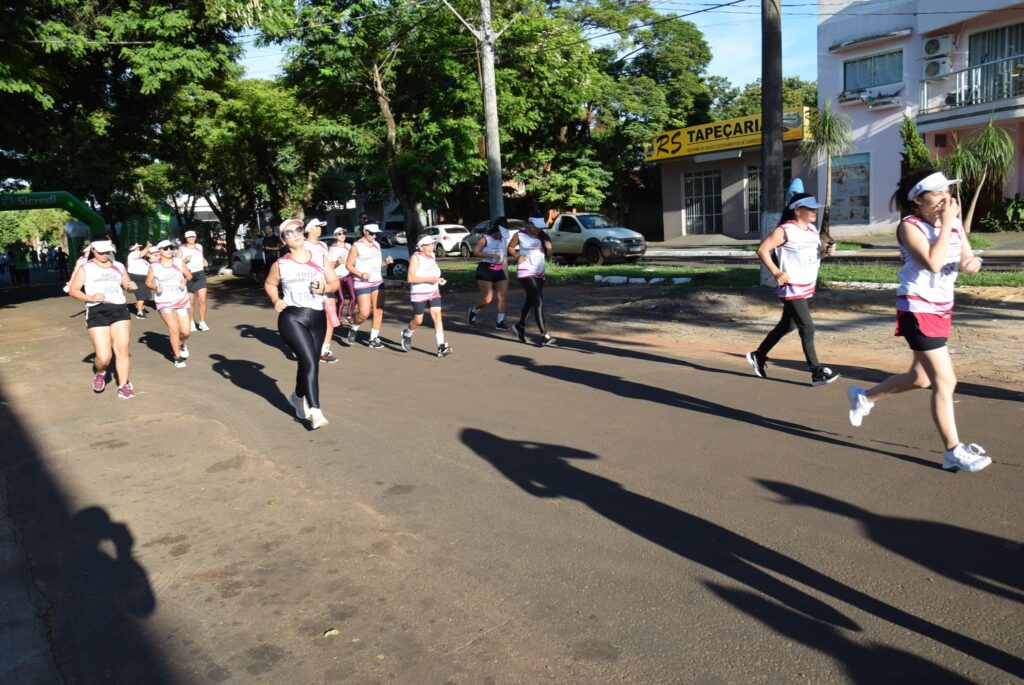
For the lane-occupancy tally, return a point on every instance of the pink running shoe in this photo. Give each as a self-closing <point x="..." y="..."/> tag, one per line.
<point x="99" y="381"/>
<point x="126" y="392"/>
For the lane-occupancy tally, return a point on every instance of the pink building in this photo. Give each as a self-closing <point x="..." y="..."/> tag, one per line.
<point x="950" y="66"/>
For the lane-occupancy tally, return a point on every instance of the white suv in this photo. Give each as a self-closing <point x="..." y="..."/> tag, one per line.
<point x="448" y="237"/>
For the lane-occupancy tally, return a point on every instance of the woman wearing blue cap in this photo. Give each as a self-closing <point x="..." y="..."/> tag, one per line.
<point x="793" y="252"/>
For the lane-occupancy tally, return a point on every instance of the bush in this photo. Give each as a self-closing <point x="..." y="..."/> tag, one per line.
<point x="1008" y="217"/>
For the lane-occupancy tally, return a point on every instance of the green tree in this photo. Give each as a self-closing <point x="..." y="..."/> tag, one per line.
<point x="983" y="160"/>
<point x="916" y="155"/>
<point x="732" y="103"/>
<point x="830" y="136"/>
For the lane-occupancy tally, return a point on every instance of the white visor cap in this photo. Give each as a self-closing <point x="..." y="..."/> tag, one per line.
<point x="936" y="181"/>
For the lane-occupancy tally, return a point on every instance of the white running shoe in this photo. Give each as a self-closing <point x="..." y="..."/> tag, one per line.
<point x="179" y="363"/>
<point x="184" y="352"/>
<point x="316" y="418"/>
<point x="301" y="408"/>
<point x="194" y="325"/>
<point x="203" y="327"/>
<point x="968" y="458"/>
<point x="859" y="404"/>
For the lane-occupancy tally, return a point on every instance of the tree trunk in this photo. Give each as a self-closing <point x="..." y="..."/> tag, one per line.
<point x="969" y="216"/>
<point x="826" y="215"/>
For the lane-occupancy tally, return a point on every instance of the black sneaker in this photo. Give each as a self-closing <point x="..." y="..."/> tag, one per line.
<point x="473" y="313"/>
<point x="375" y="344"/>
<point x="443" y="349"/>
<point x="520" y="330"/>
<point x="350" y="339"/>
<point x="406" y="342"/>
<point x="757" y="364"/>
<point x="823" y="376"/>
<point x="546" y="340"/>
<point x="328" y="358"/>
<point x="501" y="325"/>
<point x="140" y="315"/>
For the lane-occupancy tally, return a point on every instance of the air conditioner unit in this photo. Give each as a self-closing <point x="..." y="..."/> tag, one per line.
<point x="937" y="68"/>
<point x="938" y="45"/>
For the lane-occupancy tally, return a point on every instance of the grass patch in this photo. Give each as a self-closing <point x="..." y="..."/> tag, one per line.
<point x="979" y="243"/>
<point x="461" y="275"/>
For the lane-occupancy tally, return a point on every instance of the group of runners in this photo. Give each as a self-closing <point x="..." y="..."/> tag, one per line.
<point x="303" y="282"/>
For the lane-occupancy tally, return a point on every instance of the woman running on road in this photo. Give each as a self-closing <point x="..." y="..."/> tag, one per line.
<point x="138" y="269"/>
<point x="531" y="247"/>
<point x="305" y="276"/>
<point x="101" y="284"/>
<point x="365" y="264"/>
<point x="168" y="278"/>
<point x="796" y="244"/>
<point x="346" y="291"/>
<point x="191" y="254"/>
<point x="491" y="277"/>
<point x="314" y="227"/>
<point x="424" y="279"/>
<point x="934" y="250"/>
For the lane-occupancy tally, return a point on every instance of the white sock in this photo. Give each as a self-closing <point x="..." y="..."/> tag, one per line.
<point x="440" y="338"/>
<point x="501" y="317"/>
<point x="374" y="332"/>
<point x="325" y="349"/>
<point x="407" y="333"/>
<point x="354" y="327"/>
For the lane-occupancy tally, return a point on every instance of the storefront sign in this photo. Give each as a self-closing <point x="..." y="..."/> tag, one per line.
<point x="725" y="135"/>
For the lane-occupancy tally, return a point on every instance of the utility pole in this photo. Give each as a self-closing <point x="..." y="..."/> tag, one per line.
<point x="771" y="123"/>
<point x="486" y="37"/>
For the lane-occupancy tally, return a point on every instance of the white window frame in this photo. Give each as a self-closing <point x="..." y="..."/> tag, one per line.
<point x="853" y="88"/>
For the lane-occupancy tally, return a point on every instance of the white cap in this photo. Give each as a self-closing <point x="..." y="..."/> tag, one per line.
<point x="936" y="181"/>
<point x="538" y="222"/>
<point x="164" y="243"/>
<point x="102" y="246"/>
<point x="290" y="225"/>
<point x="315" y="222"/>
<point x="190" y="234"/>
<point x="425" y="240"/>
<point x="371" y="228"/>
<point x="339" y="230"/>
<point x="808" y="202"/>
<point x="153" y="249"/>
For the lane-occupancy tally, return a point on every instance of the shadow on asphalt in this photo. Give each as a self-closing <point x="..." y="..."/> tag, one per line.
<point x="545" y="470"/>
<point x="629" y="389"/>
<point x="159" y="343"/>
<point x="264" y="335"/>
<point x="96" y="599"/>
<point x="982" y="561"/>
<point x="248" y="375"/>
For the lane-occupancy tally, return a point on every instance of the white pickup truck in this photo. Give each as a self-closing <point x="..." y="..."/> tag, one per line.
<point x="595" y="238"/>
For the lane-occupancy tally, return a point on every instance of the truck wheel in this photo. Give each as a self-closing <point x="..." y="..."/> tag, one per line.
<point x="465" y="250"/>
<point x="592" y="253"/>
<point x="399" y="269"/>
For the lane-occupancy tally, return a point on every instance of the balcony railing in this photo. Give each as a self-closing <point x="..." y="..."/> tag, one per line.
<point x="989" y="82"/>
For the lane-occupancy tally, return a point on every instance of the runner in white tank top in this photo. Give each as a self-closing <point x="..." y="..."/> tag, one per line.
<point x="797" y="250"/>
<point x="168" y="279"/>
<point x="304" y="279"/>
<point x="138" y="269"/>
<point x="346" y="291"/>
<point x="934" y="252"/>
<point x="314" y="227"/>
<point x="191" y="253"/>
<point x="365" y="263"/>
<point x="491" y="277"/>
<point x="100" y="284"/>
<point x="424" y="282"/>
<point x="531" y="247"/>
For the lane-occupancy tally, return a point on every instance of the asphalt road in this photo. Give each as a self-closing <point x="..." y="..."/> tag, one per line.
<point x="594" y="512"/>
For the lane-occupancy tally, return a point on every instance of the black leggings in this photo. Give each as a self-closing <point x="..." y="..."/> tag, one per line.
<point x="534" y="288"/>
<point x="795" y="314"/>
<point x="303" y="330"/>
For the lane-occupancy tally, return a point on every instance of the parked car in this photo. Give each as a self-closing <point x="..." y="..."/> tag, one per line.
<point x="514" y="226"/>
<point x="595" y="238"/>
<point x="450" y="238"/>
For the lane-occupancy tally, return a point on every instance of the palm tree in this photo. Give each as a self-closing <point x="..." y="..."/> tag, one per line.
<point x="830" y="136"/>
<point x="985" y="157"/>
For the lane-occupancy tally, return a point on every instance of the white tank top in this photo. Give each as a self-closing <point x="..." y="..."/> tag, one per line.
<point x="533" y="250"/>
<point x="192" y="256"/>
<point x="799" y="257"/>
<point x="495" y="249"/>
<point x="338" y="255"/>
<point x="919" y="289"/>
<point x="368" y="259"/>
<point x="106" y="280"/>
<point x="426" y="267"/>
<point x="137" y="264"/>
<point x="296" y="278"/>
<point x="171" y="279"/>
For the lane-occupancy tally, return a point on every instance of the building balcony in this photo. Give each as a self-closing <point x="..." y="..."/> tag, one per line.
<point x="973" y="95"/>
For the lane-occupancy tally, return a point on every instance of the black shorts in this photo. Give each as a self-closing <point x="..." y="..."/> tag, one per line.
<point x="484" y="272"/>
<point x="420" y="307"/>
<point x="142" y="291"/>
<point x="198" y="281"/>
<point x="104" y="314"/>
<point x="918" y="341"/>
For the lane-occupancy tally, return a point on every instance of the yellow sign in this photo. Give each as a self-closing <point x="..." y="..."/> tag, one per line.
<point x="725" y="135"/>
